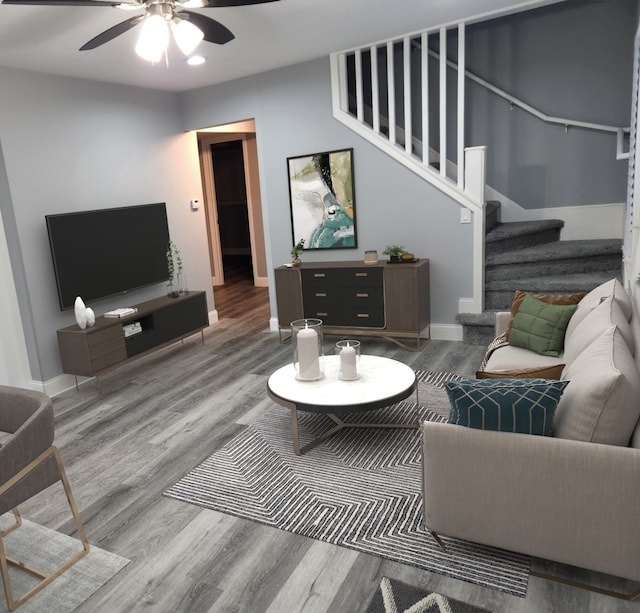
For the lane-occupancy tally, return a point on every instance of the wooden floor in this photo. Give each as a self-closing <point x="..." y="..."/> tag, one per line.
<point x="159" y="417"/>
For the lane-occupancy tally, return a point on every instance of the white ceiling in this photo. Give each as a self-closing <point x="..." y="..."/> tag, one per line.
<point x="272" y="35"/>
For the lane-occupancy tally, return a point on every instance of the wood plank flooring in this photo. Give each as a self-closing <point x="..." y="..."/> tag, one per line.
<point x="159" y="417"/>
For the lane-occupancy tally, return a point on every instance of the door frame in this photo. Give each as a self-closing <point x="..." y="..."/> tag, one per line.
<point x="223" y="134"/>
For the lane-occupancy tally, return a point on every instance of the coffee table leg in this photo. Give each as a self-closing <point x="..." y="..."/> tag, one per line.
<point x="316" y="441"/>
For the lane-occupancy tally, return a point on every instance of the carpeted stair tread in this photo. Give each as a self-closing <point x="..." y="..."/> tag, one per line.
<point x="516" y="229"/>
<point x="486" y="318"/>
<point x="559" y="284"/>
<point x="559" y="250"/>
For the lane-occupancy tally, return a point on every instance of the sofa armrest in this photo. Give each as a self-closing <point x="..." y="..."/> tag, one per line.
<point x="502" y="322"/>
<point x="573" y="502"/>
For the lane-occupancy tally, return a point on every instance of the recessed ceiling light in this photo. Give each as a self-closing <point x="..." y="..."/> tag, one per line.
<point x="196" y="60"/>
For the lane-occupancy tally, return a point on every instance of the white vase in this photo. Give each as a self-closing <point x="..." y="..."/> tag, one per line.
<point x="91" y="317"/>
<point x="80" y="311"/>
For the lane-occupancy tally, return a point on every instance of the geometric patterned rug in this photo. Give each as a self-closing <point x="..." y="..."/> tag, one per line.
<point x="397" y="597"/>
<point x="360" y="489"/>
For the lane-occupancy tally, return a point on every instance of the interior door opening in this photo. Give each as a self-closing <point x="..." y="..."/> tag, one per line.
<point x="232" y="210"/>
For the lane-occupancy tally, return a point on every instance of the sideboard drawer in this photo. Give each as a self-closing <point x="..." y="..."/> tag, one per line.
<point x="363" y="297"/>
<point x="361" y="277"/>
<point x="320" y="278"/>
<point x="329" y="315"/>
<point x="366" y="318"/>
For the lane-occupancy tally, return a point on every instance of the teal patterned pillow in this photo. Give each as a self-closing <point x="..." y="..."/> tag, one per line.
<point x="508" y="405"/>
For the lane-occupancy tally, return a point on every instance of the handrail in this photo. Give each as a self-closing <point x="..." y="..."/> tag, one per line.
<point x="567" y="123"/>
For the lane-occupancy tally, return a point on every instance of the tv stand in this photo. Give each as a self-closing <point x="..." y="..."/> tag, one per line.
<point x="94" y="351"/>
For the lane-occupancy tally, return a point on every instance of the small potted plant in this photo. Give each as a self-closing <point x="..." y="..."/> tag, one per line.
<point x="296" y="251"/>
<point x="174" y="264"/>
<point x="394" y="252"/>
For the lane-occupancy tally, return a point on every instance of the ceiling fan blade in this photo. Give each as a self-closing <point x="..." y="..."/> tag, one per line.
<point x="63" y="2"/>
<point x="111" y="33"/>
<point x="222" y="3"/>
<point x="214" y="31"/>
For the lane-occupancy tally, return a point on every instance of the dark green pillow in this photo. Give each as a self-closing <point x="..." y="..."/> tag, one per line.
<point x="507" y="405"/>
<point x="540" y="326"/>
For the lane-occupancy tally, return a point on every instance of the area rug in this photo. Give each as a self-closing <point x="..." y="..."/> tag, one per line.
<point x="360" y="489"/>
<point x="398" y="597"/>
<point x="46" y="549"/>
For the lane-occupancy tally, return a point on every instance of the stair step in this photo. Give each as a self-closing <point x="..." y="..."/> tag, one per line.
<point x="491" y="215"/>
<point x="499" y="294"/>
<point x="521" y="234"/>
<point x="477" y="328"/>
<point x="562" y="257"/>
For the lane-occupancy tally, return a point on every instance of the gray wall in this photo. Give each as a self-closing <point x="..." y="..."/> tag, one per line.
<point x="292" y="109"/>
<point x="70" y="145"/>
<point x="572" y="60"/>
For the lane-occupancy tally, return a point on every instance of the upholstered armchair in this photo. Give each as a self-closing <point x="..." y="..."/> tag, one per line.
<point x="29" y="463"/>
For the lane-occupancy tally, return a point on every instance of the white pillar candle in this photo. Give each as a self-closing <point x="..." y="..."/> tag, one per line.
<point x="348" y="368"/>
<point x="308" y="356"/>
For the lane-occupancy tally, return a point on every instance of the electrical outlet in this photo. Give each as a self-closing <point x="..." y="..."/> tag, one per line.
<point x="195" y="204"/>
<point x="465" y="215"/>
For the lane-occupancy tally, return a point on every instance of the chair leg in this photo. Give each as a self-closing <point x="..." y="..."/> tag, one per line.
<point x="12" y="527"/>
<point x="45" y="578"/>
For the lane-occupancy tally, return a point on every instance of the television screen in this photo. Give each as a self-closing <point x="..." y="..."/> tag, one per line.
<point x="101" y="253"/>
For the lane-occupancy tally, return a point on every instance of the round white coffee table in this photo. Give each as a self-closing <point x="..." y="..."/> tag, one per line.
<point x="382" y="382"/>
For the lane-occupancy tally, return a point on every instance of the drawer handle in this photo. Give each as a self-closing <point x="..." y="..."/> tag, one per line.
<point x="362" y="274"/>
<point x="320" y="275"/>
<point x="322" y="314"/>
<point x="362" y="295"/>
<point x="363" y="315"/>
<point x="321" y="294"/>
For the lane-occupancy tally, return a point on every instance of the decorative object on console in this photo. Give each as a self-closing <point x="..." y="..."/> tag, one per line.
<point x="394" y="252"/>
<point x="91" y="317"/>
<point x="174" y="268"/>
<point x="296" y="251"/>
<point x="322" y="199"/>
<point x="349" y="352"/>
<point x="80" y="311"/>
<point x="306" y="339"/>
<point x="371" y="257"/>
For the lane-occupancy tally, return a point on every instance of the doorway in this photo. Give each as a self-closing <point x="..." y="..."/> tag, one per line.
<point x="240" y="207"/>
<point x="232" y="210"/>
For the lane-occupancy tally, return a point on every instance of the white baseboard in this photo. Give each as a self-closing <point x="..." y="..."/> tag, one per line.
<point x="446" y="332"/>
<point x="213" y="316"/>
<point x="468" y="305"/>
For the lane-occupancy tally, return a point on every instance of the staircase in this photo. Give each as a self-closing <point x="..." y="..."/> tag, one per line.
<point x="530" y="256"/>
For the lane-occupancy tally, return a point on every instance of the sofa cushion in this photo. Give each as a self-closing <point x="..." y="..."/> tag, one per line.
<point x="526" y="406"/>
<point x="596" y="296"/>
<point x="599" y="320"/>
<point x="550" y="371"/>
<point x="518" y="297"/>
<point x="540" y="326"/>
<point x="601" y="403"/>
<point x="510" y="357"/>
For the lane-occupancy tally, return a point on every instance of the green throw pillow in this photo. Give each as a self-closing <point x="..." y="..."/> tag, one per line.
<point x="507" y="405"/>
<point x="540" y="326"/>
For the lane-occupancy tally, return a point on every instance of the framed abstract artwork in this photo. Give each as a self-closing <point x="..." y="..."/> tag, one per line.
<point x="321" y="193"/>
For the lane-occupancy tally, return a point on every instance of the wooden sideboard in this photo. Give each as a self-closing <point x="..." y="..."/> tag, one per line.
<point x="350" y="297"/>
<point x="103" y="347"/>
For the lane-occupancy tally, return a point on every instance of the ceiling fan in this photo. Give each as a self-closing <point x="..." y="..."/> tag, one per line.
<point x="159" y="18"/>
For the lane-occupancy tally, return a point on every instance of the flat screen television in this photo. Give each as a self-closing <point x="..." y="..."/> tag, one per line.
<point x="97" y="254"/>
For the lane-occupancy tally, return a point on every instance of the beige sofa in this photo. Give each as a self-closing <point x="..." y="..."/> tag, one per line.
<point x="573" y="497"/>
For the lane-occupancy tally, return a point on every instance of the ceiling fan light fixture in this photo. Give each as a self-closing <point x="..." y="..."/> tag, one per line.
<point x="153" y="39"/>
<point x="186" y="35"/>
<point x="196" y="60"/>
